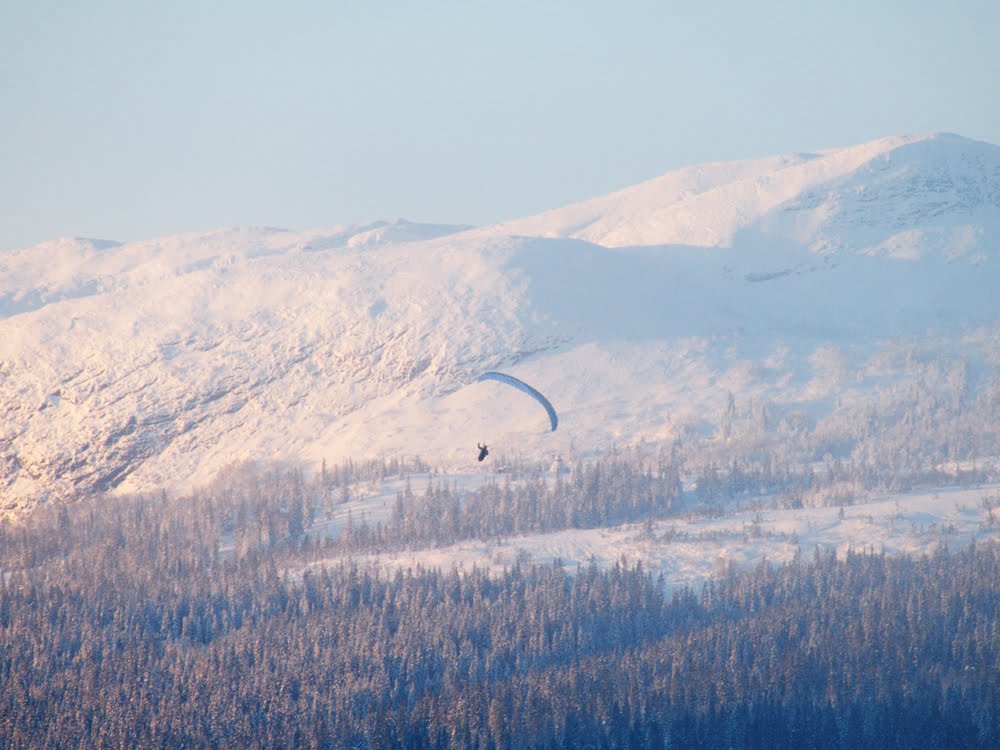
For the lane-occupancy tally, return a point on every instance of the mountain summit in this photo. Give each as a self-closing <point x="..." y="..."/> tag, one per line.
<point x="899" y="195"/>
<point x="792" y="280"/>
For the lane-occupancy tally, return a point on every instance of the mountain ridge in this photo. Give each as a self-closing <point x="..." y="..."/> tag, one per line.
<point x="136" y="366"/>
<point x="667" y="210"/>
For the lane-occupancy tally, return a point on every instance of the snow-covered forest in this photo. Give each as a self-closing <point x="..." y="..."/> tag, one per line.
<point x="260" y="611"/>
<point x="128" y="622"/>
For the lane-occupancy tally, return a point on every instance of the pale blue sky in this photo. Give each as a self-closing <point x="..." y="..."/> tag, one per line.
<point x="132" y="120"/>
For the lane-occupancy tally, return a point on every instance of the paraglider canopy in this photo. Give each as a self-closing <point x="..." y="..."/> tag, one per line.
<point x="522" y="386"/>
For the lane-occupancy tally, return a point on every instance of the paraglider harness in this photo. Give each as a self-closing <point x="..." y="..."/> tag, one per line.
<point x="483" y="453"/>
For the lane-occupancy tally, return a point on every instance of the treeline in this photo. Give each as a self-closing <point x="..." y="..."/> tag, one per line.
<point x="933" y="428"/>
<point x="830" y="483"/>
<point x="256" y="508"/>
<point x="621" y="487"/>
<point x="930" y="433"/>
<point x="136" y="623"/>
<point x="608" y="491"/>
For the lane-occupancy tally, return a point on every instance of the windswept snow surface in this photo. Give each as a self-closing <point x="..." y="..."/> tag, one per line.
<point x="790" y="279"/>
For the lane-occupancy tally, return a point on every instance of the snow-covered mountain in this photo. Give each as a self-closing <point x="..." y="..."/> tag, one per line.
<point x="153" y="364"/>
<point x="905" y="197"/>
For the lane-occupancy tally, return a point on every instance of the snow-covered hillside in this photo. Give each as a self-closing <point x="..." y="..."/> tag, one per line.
<point x="901" y="196"/>
<point x="153" y="364"/>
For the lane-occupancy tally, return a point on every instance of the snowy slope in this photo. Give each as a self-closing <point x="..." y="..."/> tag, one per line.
<point x="901" y="196"/>
<point x="688" y="550"/>
<point x="149" y="364"/>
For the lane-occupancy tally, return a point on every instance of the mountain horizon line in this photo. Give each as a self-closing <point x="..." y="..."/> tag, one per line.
<point x="878" y="145"/>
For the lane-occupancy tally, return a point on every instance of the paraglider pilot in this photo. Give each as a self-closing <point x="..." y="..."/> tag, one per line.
<point x="483" y="453"/>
